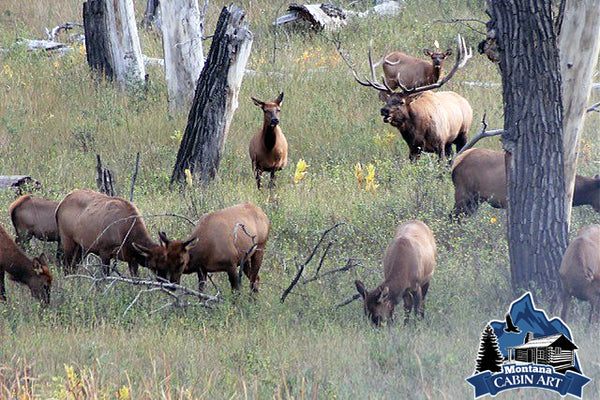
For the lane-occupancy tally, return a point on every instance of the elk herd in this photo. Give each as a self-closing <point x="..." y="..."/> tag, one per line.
<point x="233" y="240"/>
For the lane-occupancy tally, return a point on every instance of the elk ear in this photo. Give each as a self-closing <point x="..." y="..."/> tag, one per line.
<point x="279" y="99"/>
<point x="43" y="259"/>
<point x="427" y="52"/>
<point x="361" y="289"/>
<point x="163" y="238"/>
<point x="258" y="102"/>
<point x="448" y="53"/>
<point x="384" y="295"/>
<point x="37" y="266"/>
<point x="143" y="251"/>
<point x="190" y="243"/>
<point x="383" y="96"/>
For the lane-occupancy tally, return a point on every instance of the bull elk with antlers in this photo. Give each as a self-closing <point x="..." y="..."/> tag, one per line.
<point x="428" y="121"/>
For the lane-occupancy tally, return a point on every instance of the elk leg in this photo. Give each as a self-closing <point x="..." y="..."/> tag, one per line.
<point x="272" y="181"/>
<point x="418" y="306"/>
<point x="23" y="239"/>
<point x="414" y="153"/>
<point x="254" y="267"/>
<point x="105" y="265"/>
<point x="408" y="303"/>
<point x="460" y="141"/>
<point x="2" y="287"/>
<point x="69" y="249"/>
<point x="133" y="269"/>
<point x="233" y="280"/>
<point x="201" y="281"/>
<point x="258" y="177"/>
<point x="594" y="309"/>
<point x="424" y="290"/>
<point x="566" y="304"/>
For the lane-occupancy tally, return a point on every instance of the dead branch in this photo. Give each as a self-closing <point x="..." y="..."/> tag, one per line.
<point x="349" y="265"/>
<point x="482" y="134"/>
<point x="249" y="251"/>
<point x="301" y="267"/>
<point x="135" y="175"/>
<point x="53" y="34"/>
<point x="348" y="300"/>
<point x="594" y="107"/>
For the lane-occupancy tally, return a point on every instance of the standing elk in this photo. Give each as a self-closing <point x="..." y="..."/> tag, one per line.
<point x="268" y="148"/>
<point x="428" y="121"/>
<point x="408" y="267"/>
<point x="111" y="227"/>
<point x="33" y="217"/>
<point x="413" y="72"/>
<point x="33" y="273"/>
<point x="580" y="271"/>
<point x="479" y="175"/>
<point x="228" y="238"/>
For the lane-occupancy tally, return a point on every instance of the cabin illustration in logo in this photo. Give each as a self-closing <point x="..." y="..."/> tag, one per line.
<point x="555" y="350"/>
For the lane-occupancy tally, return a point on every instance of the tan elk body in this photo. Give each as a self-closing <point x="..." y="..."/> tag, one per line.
<point x="111" y="227"/>
<point x="33" y="217"/>
<point x="580" y="271"/>
<point x="413" y="72"/>
<point x="408" y="267"/>
<point x="268" y="147"/>
<point x="32" y="273"/>
<point x="227" y="238"/>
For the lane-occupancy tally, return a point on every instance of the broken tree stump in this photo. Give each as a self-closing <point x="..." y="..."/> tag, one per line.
<point x="105" y="178"/>
<point x="215" y="99"/>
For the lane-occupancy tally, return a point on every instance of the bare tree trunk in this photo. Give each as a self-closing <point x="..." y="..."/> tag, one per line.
<point x="152" y="15"/>
<point x="112" y="43"/>
<point x="533" y="122"/>
<point x="215" y="99"/>
<point x="579" y="44"/>
<point x="183" y="24"/>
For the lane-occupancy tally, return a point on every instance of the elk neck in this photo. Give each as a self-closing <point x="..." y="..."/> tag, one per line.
<point x="269" y="135"/>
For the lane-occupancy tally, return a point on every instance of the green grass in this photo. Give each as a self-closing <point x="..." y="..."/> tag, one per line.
<point x="54" y="121"/>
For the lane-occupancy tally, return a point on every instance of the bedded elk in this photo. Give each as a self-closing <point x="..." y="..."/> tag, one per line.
<point x="111" y="227"/>
<point x="428" y="121"/>
<point x="413" y="72"/>
<point x="33" y="217"/>
<point x="479" y="176"/>
<point x="227" y="239"/>
<point x="268" y="147"/>
<point x="33" y="273"/>
<point x="408" y="267"/>
<point x="580" y="271"/>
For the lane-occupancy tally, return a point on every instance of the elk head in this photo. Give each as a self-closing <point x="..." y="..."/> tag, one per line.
<point x="41" y="282"/>
<point x="270" y="109"/>
<point x="378" y="305"/>
<point x="437" y="57"/>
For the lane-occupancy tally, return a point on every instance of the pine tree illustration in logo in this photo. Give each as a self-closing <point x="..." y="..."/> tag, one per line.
<point x="490" y="358"/>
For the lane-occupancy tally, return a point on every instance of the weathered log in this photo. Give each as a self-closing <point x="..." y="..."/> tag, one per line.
<point x="17" y="181"/>
<point x="111" y="40"/>
<point x="215" y="99"/>
<point x="183" y="23"/>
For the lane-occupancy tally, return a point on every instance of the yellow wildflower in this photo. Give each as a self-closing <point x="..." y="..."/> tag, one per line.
<point x="493" y="220"/>
<point x="358" y="174"/>
<point x="123" y="393"/>
<point x="300" y="171"/>
<point x="188" y="177"/>
<point x="56" y="64"/>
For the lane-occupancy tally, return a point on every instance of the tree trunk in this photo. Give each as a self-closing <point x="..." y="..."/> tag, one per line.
<point x="112" y="43"/>
<point x="533" y="121"/>
<point x="183" y="24"/>
<point x="579" y="44"/>
<point x="152" y="15"/>
<point x="215" y="99"/>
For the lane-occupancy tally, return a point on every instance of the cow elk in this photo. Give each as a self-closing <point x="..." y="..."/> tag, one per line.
<point x="228" y="238"/>
<point x="408" y="267"/>
<point x="111" y="227"/>
<point x="268" y="148"/>
<point x="33" y="273"/>
<point x="33" y="217"/>
<point x="479" y="175"/>
<point x="580" y="271"/>
<point x="428" y="121"/>
<point x="413" y="72"/>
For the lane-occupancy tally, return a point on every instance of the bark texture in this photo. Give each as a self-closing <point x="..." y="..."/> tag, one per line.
<point x="215" y="99"/>
<point x="533" y="121"/>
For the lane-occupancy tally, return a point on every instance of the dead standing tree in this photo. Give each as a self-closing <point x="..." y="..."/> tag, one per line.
<point x="215" y="99"/>
<point x="532" y="139"/>
<point x="111" y="40"/>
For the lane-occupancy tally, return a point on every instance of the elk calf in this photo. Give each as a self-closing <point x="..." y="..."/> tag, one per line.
<point x="479" y="176"/>
<point x="411" y="72"/>
<point x="228" y="238"/>
<point x="33" y="217"/>
<point x="268" y="148"/>
<point x="580" y="271"/>
<point x="111" y="227"/>
<point x="33" y="273"/>
<point x="408" y="267"/>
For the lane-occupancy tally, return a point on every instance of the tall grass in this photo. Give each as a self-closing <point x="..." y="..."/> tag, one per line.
<point x="55" y="119"/>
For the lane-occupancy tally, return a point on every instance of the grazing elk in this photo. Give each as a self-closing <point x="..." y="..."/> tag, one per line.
<point x="580" y="271"/>
<point x="428" y="121"/>
<point x="479" y="176"/>
<point x="111" y="227"/>
<point x="33" y="217"/>
<point x="408" y="267"/>
<point x="413" y="72"/>
<point x="33" y="273"/>
<point x="268" y="148"/>
<point x="228" y="238"/>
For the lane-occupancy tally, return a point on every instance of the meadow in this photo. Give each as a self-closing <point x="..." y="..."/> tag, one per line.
<point x="54" y="119"/>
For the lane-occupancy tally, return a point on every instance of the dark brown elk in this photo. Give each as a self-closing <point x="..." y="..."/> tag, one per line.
<point x="580" y="271"/>
<point x="479" y="176"/>
<point x="228" y="238"/>
<point x="408" y="267"/>
<point x="33" y="217"/>
<point x="268" y="148"/>
<point x="428" y="121"/>
<point x="111" y="227"/>
<point x="413" y="72"/>
<point x="33" y="273"/>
